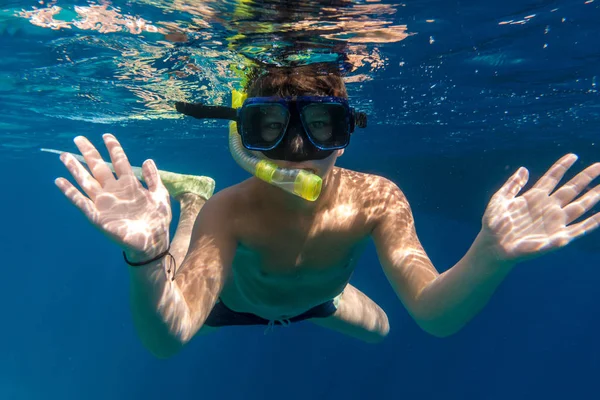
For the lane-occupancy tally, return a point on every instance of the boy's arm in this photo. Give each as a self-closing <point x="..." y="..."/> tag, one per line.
<point x="168" y="313"/>
<point x="514" y="228"/>
<point x="440" y="304"/>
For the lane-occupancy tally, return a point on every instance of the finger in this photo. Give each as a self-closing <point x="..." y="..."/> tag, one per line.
<point x="85" y="205"/>
<point x="575" y="186"/>
<point x="90" y="186"/>
<point x="94" y="160"/>
<point x="117" y="155"/>
<point x="582" y="205"/>
<point x="585" y="227"/>
<point x="552" y="177"/>
<point x="151" y="176"/>
<point x="514" y="184"/>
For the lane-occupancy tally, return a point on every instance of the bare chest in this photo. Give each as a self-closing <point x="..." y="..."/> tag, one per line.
<point x="285" y="267"/>
<point x="286" y="280"/>
<point x="309" y="246"/>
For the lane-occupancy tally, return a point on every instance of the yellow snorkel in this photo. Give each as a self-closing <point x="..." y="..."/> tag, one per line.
<point x="296" y="181"/>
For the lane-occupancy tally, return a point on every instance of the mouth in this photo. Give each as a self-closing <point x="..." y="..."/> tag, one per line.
<point x="311" y="169"/>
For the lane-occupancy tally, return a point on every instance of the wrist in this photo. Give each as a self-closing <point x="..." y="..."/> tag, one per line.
<point x="486" y="249"/>
<point x="136" y="257"/>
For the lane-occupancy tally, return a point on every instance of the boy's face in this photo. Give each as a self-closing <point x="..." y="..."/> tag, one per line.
<point x="296" y="151"/>
<point x="303" y="129"/>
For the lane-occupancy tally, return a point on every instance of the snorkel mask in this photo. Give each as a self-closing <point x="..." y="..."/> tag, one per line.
<point x="293" y="129"/>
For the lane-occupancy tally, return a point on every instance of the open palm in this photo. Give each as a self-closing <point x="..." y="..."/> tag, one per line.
<point x="134" y="217"/>
<point x="540" y="220"/>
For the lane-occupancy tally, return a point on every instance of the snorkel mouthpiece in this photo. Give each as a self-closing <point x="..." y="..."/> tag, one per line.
<point x="296" y="181"/>
<point x="308" y="185"/>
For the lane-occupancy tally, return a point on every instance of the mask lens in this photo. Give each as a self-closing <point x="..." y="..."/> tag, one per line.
<point x="326" y="123"/>
<point x="263" y="125"/>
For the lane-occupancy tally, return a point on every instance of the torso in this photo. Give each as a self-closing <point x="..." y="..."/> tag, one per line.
<point x="288" y="262"/>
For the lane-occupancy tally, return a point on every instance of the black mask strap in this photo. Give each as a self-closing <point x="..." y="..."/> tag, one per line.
<point x="202" y="111"/>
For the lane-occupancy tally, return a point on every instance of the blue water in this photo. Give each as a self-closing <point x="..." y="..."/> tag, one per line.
<point x="454" y="109"/>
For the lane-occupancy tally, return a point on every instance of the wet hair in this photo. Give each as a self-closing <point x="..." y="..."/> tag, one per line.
<point x="319" y="79"/>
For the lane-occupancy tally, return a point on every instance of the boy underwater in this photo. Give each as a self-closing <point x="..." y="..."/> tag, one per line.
<point x="254" y="254"/>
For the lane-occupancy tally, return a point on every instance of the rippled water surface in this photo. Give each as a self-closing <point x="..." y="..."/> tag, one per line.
<point x="438" y="74"/>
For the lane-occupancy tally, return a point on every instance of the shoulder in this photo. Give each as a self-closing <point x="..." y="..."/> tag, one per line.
<point x="221" y="208"/>
<point x="378" y="197"/>
<point x="229" y="199"/>
<point x="229" y="209"/>
<point x="220" y="201"/>
<point x="371" y="187"/>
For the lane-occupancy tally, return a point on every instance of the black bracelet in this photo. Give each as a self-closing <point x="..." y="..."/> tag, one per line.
<point x="158" y="257"/>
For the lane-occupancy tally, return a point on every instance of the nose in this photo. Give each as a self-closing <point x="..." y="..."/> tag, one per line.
<point x="295" y="149"/>
<point x="296" y="143"/>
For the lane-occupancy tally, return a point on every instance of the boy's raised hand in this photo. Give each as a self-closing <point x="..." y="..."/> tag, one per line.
<point x="541" y="219"/>
<point x="134" y="217"/>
